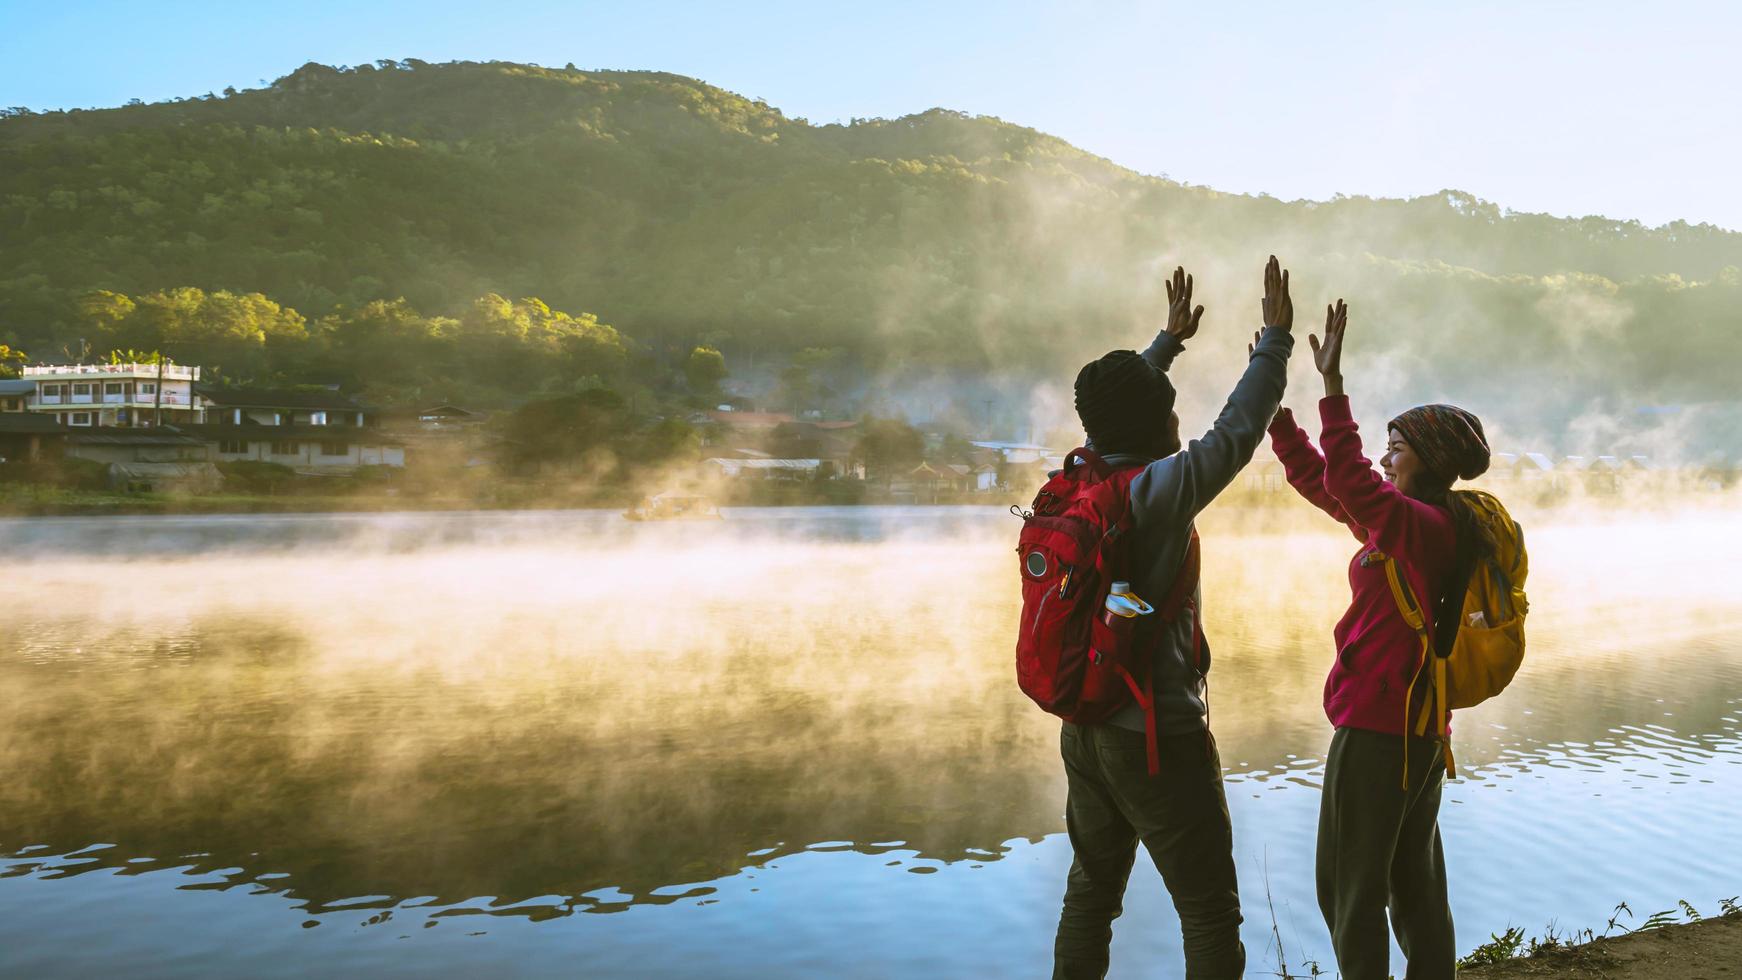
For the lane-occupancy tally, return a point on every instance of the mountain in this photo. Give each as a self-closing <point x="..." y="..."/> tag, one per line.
<point x="678" y="213"/>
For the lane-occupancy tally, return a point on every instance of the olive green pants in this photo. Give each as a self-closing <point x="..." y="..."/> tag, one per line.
<point x="1379" y="851"/>
<point x="1180" y="815"/>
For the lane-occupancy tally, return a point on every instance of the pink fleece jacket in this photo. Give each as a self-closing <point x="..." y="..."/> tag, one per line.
<point x="1377" y="651"/>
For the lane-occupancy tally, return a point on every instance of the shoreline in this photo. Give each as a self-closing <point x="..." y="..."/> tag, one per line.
<point x="98" y="503"/>
<point x="1707" y="949"/>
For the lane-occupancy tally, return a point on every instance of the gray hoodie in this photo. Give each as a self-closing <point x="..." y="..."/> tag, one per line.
<point x="1167" y="496"/>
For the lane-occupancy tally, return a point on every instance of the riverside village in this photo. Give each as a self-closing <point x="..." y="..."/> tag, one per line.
<point x="99" y="436"/>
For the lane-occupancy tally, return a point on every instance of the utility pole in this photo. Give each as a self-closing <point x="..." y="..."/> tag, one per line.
<point x="157" y="397"/>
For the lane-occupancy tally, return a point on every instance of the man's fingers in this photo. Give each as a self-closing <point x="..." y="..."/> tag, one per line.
<point x="1313" y="342"/>
<point x="1197" y="315"/>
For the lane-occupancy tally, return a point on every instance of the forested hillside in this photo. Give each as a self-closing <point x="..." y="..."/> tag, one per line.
<point x="421" y="229"/>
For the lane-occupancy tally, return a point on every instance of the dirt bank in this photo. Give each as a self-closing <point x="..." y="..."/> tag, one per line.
<point x="1707" y="950"/>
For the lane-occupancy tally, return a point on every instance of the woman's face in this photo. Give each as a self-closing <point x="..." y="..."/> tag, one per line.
<point x="1401" y="465"/>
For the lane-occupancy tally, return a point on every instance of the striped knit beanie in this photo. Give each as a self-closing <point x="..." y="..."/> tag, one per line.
<point x="1123" y="401"/>
<point x="1449" y="440"/>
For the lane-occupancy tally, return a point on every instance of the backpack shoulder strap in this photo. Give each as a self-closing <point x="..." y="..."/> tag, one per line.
<point x="1185" y="581"/>
<point x="1436" y="697"/>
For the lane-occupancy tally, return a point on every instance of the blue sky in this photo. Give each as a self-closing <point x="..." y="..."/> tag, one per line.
<point x="1622" y="109"/>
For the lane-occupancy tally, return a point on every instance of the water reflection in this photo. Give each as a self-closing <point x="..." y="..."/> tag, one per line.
<point x="445" y="718"/>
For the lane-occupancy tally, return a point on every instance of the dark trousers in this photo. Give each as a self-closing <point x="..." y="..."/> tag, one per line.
<point x="1379" y="850"/>
<point x="1180" y="815"/>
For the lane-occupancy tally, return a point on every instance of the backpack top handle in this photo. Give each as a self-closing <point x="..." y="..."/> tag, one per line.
<point x="1084" y="456"/>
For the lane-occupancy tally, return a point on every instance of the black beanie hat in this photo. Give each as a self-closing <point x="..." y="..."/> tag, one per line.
<point x="1123" y="401"/>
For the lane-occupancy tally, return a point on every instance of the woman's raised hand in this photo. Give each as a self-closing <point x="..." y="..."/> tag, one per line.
<point x="1328" y="354"/>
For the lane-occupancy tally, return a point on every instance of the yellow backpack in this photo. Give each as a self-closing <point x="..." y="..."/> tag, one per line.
<point x="1489" y="646"/>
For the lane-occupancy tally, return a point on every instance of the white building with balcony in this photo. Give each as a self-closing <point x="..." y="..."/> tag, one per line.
<point x="116" y="395"/>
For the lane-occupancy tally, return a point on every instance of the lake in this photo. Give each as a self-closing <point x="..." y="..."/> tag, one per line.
<point x="785" y="743"/>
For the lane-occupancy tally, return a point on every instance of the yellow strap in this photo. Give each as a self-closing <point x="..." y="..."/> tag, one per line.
<point x="1440" y="695"/>
<point x="1406" y="603"/>
<point x="1411" y="615"/>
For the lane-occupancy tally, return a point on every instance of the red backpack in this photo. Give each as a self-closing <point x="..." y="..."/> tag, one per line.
<point x="1072" y="658"/>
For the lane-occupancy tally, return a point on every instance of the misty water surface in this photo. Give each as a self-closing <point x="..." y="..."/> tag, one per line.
<point x="787" y="742"/>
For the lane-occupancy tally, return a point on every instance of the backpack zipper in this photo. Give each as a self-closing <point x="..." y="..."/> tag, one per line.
<point x="1034" y="630"/>
<point x="1064" y="585"/>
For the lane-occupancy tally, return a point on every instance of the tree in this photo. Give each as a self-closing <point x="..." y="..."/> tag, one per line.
<point x="813" y="377"/>
<point x="223" y="331"/>
<point x="668" y="441"/>
<point x="889" y="447"/>
<point x="131" y="356"/>
<point x="527" y="343"/>
<point x="387" y="342"/>
<point x="11" y="362"/>
<point x="566" y="430"/>
<point x="704" y="369"/>
<point x="103" y="313"/>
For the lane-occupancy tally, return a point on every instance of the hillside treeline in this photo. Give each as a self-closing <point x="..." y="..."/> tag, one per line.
<point x="384" y="347"/>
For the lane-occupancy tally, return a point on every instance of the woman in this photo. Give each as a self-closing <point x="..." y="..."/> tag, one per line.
<point x="1379" y="839"/>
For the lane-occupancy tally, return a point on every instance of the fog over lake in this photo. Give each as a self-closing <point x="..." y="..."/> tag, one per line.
<point x="788" y="742"/>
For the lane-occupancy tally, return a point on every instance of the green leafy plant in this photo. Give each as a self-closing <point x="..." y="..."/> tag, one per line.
<point x="1499" y="948"/>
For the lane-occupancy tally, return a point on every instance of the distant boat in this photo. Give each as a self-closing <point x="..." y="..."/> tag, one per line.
<point x="673" y="507"/>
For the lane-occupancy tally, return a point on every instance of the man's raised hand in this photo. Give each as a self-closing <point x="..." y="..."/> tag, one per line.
<point x="1182" y="319"/>
<point x="1278" y="307"/>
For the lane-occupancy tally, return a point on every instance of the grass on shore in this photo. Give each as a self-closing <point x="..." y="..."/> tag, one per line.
<point x="1514" y="944"/>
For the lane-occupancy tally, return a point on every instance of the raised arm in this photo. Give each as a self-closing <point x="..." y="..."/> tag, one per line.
<point x="1305" y="468"/>
<point x="1178" y="487"/>
<point x="1182" y="322"/>
<point x="1392" y="519"/>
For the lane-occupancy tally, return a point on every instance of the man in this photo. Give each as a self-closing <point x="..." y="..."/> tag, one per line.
<point x="1125" y="403"/>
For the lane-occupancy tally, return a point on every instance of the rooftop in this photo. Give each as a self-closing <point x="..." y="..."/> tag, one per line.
<point x="447" y="411"/>
<point x="315" y="398"/>
<point x="286" y="433"/>
<point x="732" y="466"/>
<point x="112" y="436"/>
<point x="769" y="419"/>
<point x="177" y="372"/>
<point x="30" y="423"/>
